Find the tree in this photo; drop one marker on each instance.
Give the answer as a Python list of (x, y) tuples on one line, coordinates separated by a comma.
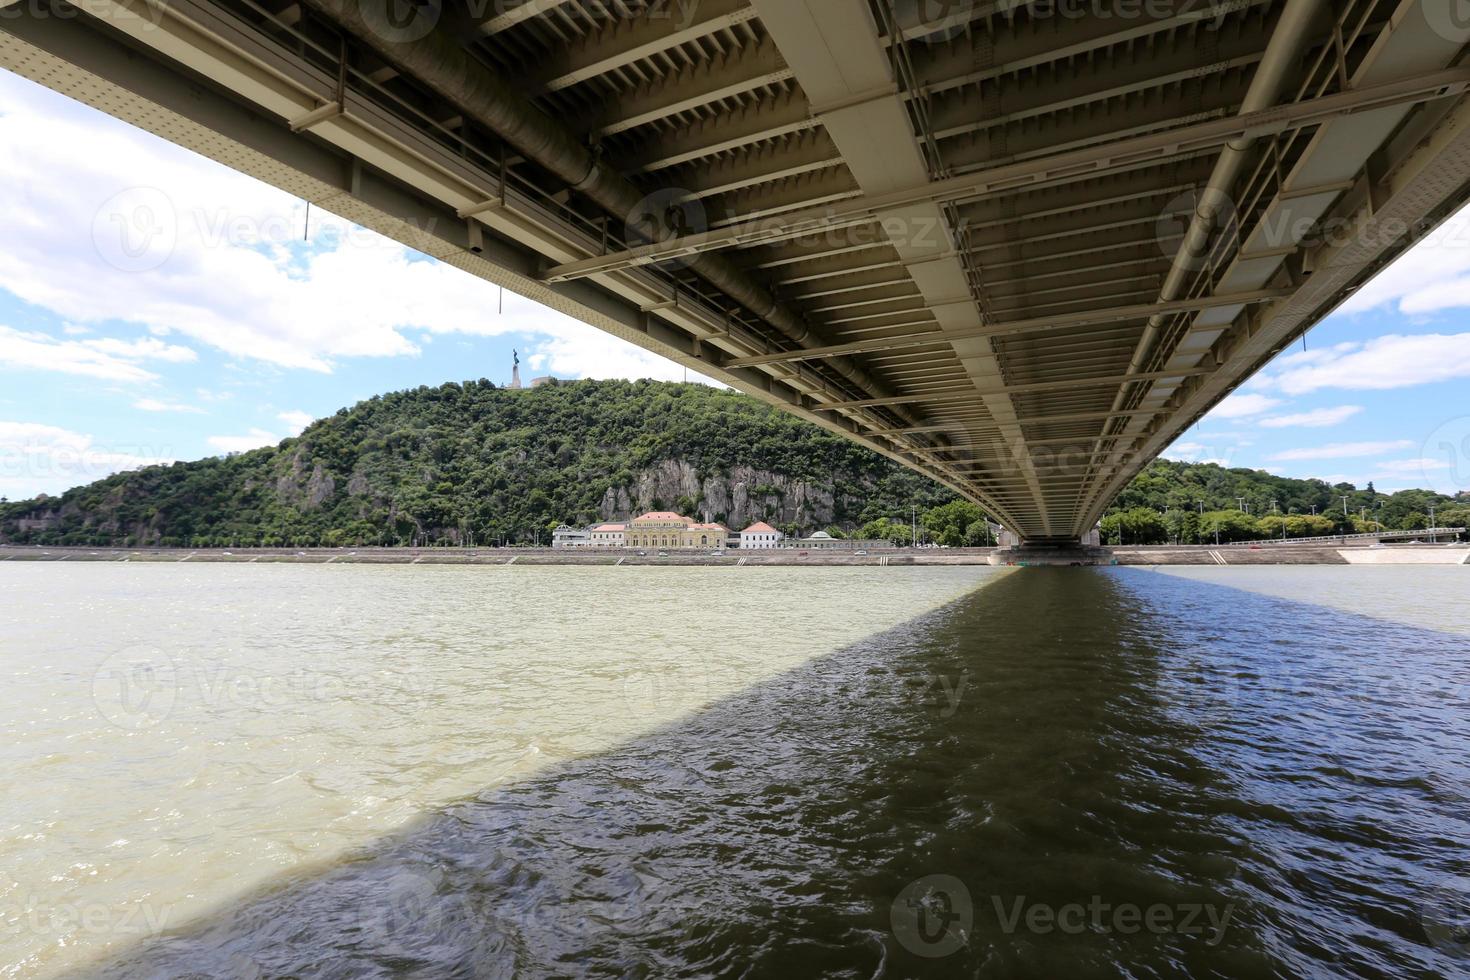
[(1228, 525), (977, 535), (891, 531), (1137, 525), (948, 524), (1455, 517), (1296, 526), (1183, 526)]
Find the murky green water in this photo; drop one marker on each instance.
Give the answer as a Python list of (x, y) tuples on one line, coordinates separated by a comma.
[(348, 772)]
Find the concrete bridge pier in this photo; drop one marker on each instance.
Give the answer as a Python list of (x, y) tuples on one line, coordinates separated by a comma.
[(1052, 553)]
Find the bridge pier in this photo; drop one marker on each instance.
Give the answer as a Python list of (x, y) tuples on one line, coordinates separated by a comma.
[(1052, 552)]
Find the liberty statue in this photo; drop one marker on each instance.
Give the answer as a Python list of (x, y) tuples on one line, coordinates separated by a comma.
[(515, 371)]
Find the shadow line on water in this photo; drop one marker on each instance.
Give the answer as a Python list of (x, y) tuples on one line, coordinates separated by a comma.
[(1036, 741)]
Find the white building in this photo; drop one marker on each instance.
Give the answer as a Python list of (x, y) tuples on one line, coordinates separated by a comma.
[(822, 541), (760, 535), (607, 535), (569, 537)]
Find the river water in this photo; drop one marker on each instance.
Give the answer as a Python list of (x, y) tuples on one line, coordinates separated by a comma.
[(349, 771)]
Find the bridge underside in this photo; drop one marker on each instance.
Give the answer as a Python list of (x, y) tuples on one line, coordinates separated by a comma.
[(1017, 246)]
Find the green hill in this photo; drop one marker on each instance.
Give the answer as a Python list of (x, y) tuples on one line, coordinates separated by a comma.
[(471, 461), (1189, 502), (460, 460)]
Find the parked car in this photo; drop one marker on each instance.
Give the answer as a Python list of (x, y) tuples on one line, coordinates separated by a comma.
[(663, 554), (861, 553), (717, 554)]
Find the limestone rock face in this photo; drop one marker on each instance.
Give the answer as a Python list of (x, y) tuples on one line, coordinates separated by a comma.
[(319, 488), (738, 498), (305, 492)]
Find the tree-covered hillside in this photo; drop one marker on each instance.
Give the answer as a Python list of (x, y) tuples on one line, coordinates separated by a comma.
[(473, 462), (1191, 502)]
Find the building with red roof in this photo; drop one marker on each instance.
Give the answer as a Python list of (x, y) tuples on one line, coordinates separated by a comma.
[(665, 529), (760, 535), (607, 535)]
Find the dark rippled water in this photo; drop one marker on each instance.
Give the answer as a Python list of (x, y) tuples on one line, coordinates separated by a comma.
[(1069, 773)]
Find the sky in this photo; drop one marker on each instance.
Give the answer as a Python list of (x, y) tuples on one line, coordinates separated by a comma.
[(155, 305)]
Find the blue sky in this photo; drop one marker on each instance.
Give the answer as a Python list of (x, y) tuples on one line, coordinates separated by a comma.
[(155, 306)]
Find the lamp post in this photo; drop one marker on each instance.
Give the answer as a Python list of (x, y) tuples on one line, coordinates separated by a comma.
[(1433, 537)]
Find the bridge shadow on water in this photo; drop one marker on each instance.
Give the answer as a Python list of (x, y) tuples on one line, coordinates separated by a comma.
[(1059, 747)]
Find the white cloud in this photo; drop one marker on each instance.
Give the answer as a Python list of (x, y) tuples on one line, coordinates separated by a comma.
[(1317, 418), (1410, 467), (1391, 361), (235, 276), (36, 458), (108, 358), (1241, 406), (1341, 450), (1433, 275), (580, 351), (145, 348), (296, 421), (1202, 452), (254, 439), (155, 405)]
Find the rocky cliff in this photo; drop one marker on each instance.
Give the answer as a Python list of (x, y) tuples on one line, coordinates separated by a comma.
[(474, 462)]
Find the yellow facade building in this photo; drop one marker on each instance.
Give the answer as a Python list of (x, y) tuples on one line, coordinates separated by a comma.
[(664, 529)]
